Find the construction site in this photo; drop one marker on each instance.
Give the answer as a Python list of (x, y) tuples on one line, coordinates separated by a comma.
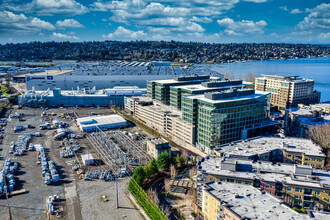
[(48, 166)]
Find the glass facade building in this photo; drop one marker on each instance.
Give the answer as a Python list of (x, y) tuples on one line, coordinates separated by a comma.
[(224, 120)]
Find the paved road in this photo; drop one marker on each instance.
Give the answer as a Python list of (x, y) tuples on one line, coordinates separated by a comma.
[(158, 184)]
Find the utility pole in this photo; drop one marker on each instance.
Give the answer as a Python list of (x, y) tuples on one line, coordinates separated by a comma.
[(117, 188), (9, 211)]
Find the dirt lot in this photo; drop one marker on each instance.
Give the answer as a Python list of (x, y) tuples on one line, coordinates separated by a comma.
[(79, 199)]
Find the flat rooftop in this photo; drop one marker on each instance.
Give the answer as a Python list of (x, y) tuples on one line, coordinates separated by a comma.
[(119, 91), (322, 105), (174, 81), (319, 121), (263, 170), (100, 120), (159, 107), (47, 73), (319, 215), (200, 87), (159, 140), (202, 97), (304, 111), (261, 145), (249, 202), (287, 78)]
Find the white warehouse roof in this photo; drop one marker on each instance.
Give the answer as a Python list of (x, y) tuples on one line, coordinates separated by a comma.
[(103, 122)]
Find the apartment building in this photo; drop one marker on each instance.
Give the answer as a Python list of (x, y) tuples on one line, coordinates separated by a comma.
[(159, 90), (298, 185), (275, 149), (301, 119), (164, 119), (288, 91), (229, 201)]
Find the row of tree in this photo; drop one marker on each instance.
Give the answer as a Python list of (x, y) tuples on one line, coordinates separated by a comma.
[(163, 163)]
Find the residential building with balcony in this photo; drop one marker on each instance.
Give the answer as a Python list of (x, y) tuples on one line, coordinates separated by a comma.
[(288, 91), (275, 149), (229, 201), (298, 185)]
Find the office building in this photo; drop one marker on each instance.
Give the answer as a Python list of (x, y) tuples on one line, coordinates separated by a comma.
[(288, 91), (159, 90), (177, 92), (275, 149), (211, 113), (226, 116), (298, 185)]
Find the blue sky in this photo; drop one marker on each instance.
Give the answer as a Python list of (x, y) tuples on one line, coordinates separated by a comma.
[(219, 21)]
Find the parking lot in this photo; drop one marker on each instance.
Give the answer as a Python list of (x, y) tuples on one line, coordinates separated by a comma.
[(78, 199)]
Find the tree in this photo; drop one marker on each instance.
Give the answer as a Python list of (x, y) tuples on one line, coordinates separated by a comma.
[(151, 168), (250, 77), (164, 161), (321, 135), (139, 175), (180, 160)]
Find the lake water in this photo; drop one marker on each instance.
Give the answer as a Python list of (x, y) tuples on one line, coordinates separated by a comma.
[(317, 68)]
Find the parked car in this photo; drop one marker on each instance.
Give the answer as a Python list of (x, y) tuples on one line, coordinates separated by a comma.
[(31, 126)]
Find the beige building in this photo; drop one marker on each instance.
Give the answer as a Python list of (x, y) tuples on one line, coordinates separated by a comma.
[(156, 146), (288, 91), (165, 119), (232, 201)]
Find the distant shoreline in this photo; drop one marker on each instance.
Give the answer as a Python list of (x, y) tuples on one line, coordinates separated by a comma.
[(55, 62)]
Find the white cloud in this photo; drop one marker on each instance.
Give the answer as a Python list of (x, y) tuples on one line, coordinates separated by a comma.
[(201, 19), (51, 7), (69, 23), (324, 36), (317, 20), (64, 36), (11, 23), (242, 27), (296, 11), (256, 1), (284, 8), (124, 34)]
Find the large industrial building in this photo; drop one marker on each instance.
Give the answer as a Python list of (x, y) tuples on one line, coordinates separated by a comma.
[(212, 112), (288, 91), (69, 82), (106, 75), (79, 97)]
